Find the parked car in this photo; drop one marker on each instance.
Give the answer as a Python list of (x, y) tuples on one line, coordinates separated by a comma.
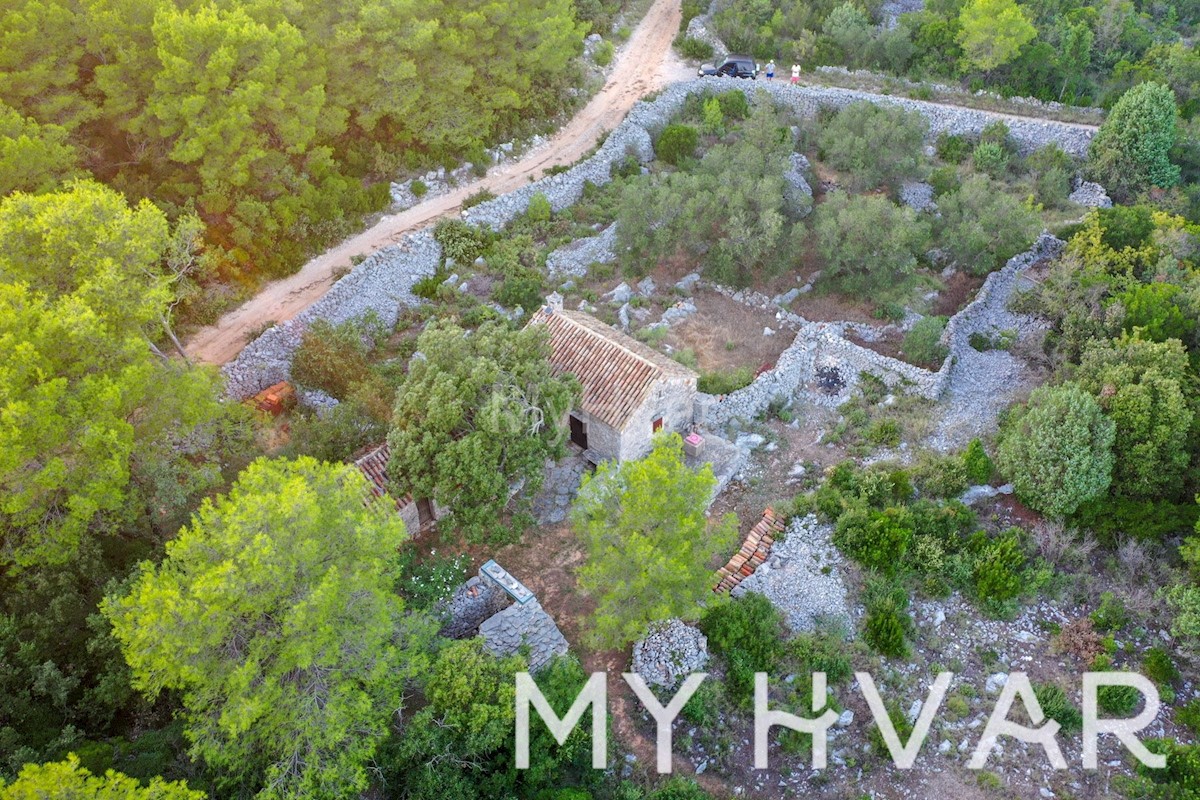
[(732, 67)]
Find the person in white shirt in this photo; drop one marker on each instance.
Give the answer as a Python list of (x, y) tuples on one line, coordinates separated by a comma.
[(795, 73)]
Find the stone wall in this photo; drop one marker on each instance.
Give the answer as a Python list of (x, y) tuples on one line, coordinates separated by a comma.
[(823, 345), (383, 282)]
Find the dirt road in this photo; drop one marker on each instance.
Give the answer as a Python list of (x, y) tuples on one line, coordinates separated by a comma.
[(647, 62)]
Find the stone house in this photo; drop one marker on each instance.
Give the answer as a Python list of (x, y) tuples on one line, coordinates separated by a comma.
[(418, 515), (630, 390)]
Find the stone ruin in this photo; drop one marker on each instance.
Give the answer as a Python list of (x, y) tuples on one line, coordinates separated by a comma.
[(670, 652), (502, 610)]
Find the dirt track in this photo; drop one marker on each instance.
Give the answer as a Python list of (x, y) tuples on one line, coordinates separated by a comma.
[(647, 62)]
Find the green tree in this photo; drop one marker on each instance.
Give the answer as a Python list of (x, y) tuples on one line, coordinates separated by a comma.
[(33, 157), (275, 617), (477, 415), (648, 541), (1057, 449), (992, 32), (877, 144), (96, 432), (1148, 391), (850, 30), (982, 226), (870, 244), (67, 780), (1131, 151)]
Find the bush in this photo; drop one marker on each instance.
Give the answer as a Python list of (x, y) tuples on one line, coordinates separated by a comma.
[(719, 383), (335, 358), (1189, 716), (476, 198), (938, 475), (1151, 312), (876, 539), (979, 467), (523, 290), (998, 575), (1057, 449), (875, 144), (982, 227), (997, 133), (539, 209), (1057, 706), (1158, 666), (953, 148), (419, 188), (677, 143), (679, 789), (603, 54), (822, 652), (714, 117), (1111, 518), (1110, 616), (923, 344), (695, 49), (747, 632), (1052, 187), (734, 104), (459, 240), (888, 623), (944, 180), (1118, 701), (990, 158), (868, 242), (883, 433)]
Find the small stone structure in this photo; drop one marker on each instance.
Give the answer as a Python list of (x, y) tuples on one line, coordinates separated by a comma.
[(506, 614), (630, 391), (754, 552), (418, 515), (670, 652)]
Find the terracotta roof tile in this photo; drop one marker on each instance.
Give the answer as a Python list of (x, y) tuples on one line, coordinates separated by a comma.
[(374, 466), (617, 371)]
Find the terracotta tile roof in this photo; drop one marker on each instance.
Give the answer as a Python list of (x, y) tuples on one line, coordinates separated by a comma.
[(374, 466), (754, 552), (617, 371)]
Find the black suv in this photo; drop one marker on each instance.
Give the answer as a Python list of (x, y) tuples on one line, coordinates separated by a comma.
[(732, 67)]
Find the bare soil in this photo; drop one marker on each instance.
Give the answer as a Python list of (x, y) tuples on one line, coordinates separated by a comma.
[(726, 335)]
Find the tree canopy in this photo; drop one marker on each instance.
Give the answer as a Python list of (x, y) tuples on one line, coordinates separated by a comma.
[(274, 615), (648, 541), (67, 780), (992, 32), (475, 420), (1131, 151)]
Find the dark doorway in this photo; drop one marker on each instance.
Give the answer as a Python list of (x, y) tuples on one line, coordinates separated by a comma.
[(425, 518), (578, 432)]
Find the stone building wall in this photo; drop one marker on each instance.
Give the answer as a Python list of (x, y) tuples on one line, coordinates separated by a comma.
[(672, 399)]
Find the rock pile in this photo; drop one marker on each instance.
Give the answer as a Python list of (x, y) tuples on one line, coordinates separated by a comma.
[(670, 652), (575, 258), (1092, 195)]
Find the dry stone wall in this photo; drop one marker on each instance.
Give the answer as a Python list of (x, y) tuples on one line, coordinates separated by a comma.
[(383, 282)]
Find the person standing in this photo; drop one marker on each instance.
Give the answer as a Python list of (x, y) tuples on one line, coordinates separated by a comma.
[(771, 70), (795, 74)]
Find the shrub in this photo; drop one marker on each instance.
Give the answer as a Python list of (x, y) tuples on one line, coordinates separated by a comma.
[(1131, 151), (679, 789), (822, 652), (523, 290), (539, 209), (868, 242), (1158, 666), (888, 624), (1189, 716), (997, 133), (953, 148), (979, 467), (939, 475), (998, 574), (677, 143), (1118, 701), (734, 104), (1079, 638), (1110, 615), (944, 180), (982, 227), (923, 344), (875, 144), (459, 240), (419, 188), (1052, 187), (714, 117), (883, 433), (1110, 518), (602, 56), (334, 358), (876, 539), (428, 287), (695, 49), (990, 158), (1057, 449), (476, 198), (725, 382), (747, 632), (1151, 312), (1057, 706)]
